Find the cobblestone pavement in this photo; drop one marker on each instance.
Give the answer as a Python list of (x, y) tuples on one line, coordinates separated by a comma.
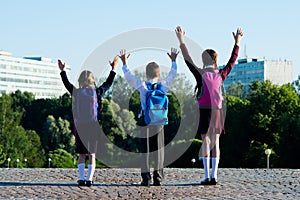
[(124, 184)]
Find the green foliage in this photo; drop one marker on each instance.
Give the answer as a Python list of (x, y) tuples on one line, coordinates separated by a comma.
[(270, 104), (267, 117), (237, 89), (255, 156), (35, 154), (2, 156), (235, 142), (15, 141), (57, 135), (296, 84), (118, 125), (36, 114), (60, 158)]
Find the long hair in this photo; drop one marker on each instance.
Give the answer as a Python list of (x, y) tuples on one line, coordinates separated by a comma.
[(86, 78)]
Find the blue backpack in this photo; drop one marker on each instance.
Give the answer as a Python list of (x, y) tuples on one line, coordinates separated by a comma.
[(156, 112), (86, 105)]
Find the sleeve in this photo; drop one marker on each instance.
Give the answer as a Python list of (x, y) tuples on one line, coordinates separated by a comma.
[(227, 69), (66, 82), (107, 84), (197, 72), (131, 78), (170, 77)]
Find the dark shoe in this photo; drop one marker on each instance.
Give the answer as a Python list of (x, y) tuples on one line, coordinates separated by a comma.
[(88, 183), (145, 182), (146, 177), (81, 183), (157, 177), (156, 181), (213, 181), (205, 181)]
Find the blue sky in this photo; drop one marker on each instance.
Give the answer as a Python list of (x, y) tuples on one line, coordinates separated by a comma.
[(71, 30)]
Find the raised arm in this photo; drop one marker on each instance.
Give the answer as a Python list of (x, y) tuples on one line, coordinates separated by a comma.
[(64, 77), (107, 84), (234, 54), (172, 74), (131, 78), (187, 58)]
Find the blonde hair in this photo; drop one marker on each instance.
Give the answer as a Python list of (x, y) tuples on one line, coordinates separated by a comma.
[(86, 78), (210, 57), (152, 70)]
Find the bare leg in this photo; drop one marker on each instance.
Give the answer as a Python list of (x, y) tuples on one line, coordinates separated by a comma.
[(81, 158), (205, 148), (92, 159), (215, 149)]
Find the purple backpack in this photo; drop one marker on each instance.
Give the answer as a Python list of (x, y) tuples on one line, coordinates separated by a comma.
[(211, 94), (86, 105)]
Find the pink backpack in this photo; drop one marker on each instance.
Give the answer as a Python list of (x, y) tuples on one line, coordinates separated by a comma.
[(211, 95)]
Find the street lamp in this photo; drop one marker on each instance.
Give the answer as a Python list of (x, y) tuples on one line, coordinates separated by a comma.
[(193, 161), (268, 153), (25, 160), (8, 160), (18, 162), (49, 160)]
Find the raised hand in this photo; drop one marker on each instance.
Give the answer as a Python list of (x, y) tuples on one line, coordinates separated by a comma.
[(173, 54), (114, 63), (61, 65), (123, 56), (180, 34), (238, 36)]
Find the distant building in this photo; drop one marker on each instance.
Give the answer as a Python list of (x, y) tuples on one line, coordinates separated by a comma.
[(37, 75), (250, 69)]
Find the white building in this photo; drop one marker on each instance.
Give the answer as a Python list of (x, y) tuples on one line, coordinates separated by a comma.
[(250, 69), (37, 75)]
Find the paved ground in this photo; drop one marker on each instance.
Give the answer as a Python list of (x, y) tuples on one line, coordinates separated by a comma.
[(124, 184)]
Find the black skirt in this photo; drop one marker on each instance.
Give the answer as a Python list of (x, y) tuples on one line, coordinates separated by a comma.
[(211, 121), (87, 138)]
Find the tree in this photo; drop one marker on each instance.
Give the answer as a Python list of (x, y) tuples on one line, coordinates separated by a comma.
[(296, 84), (35, 153), (235, 143), (2, 156), (57, 135), (36, 114), (118, 125), (237, 89), (60, 158), (269, 109), (14, 139)]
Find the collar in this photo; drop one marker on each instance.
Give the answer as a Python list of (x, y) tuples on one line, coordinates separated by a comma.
[(209, 67), (155, 80)]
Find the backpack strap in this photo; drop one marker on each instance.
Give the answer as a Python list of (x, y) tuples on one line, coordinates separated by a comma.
[(148, 85), (153, 86)]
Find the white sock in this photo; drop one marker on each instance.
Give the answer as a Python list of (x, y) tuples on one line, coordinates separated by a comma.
[(91, 171), (206, 161), (81, 167), (214, 167)]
